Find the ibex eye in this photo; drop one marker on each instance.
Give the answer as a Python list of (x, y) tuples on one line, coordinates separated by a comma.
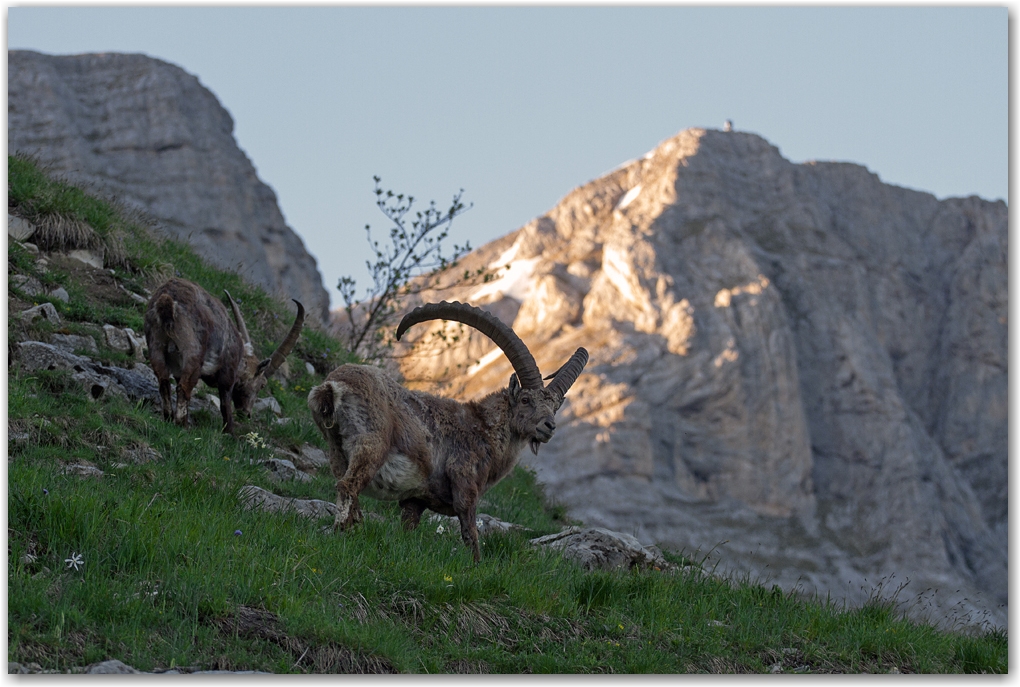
[(525, 400)]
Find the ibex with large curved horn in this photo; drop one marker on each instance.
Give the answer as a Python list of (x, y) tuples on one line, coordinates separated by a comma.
[(424, 451), (191, 337)]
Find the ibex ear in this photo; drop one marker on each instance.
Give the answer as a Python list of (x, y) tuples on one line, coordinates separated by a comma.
[(321, 401), (515, 387)]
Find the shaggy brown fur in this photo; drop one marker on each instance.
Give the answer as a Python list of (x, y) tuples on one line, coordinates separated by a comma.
[(421, 450), (191, 337)]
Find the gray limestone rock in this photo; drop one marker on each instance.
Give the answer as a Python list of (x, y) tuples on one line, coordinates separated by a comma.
[(596, 548), (308, 458), (138, 383), (150, 134), (795, 368), (43, 311), (256, 498), (93, 257), (30, 286), (74, 342), (485, 523), (124, 340), (18, 228), (311, 458), (267, 403), (60, 293), (110, 667), (281, 470)]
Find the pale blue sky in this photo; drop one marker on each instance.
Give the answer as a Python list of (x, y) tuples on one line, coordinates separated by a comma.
[(519, 105)]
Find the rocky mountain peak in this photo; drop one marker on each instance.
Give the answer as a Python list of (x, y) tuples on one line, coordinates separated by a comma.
[(150, 135), (797, 359)]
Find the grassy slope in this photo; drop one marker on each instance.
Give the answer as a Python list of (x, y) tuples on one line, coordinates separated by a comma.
[(176, 574)]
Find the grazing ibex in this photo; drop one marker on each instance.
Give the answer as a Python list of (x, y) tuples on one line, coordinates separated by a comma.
[(429, 452), (190, 336)]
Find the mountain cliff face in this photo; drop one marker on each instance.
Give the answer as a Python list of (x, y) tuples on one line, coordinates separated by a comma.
[(149, 134), (794, 364)]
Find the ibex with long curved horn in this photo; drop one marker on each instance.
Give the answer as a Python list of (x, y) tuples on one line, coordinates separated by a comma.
[(191, 337), (424, 451)]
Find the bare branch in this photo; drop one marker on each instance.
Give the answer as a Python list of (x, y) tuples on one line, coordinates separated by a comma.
[(410, 263)]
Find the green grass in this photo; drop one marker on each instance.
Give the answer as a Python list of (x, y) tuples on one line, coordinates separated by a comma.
[(176, 573)]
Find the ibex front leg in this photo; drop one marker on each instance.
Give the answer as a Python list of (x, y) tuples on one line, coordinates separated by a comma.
[(185, 385), (465, 503), (157, 361), (367, 453)]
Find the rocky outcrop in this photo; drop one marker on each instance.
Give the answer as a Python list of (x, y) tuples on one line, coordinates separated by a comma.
[(149, 134), (796, 367), (97, 380)]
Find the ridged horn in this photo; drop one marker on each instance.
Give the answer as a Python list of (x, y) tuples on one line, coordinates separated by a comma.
[(239, 319), (503, 336), (567, 375), (273, 362)]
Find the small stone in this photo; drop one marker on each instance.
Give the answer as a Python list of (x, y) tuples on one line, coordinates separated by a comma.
[(111, 667), (32, 248), (776, 668), (309, 368), (27, 559), (44, 311), (311, 458), (19, 228), (82, 470), (93, 258), (30, 286), (267, 403), (60, 293), (281, 470)]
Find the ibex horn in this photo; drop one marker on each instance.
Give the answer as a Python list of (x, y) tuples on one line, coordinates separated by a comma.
[(239, 319), (273, 362), (566, 375), (502, 335)]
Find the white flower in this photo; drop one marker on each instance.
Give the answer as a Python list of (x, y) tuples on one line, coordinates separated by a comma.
[(74, 561), (440, 529), (255, 440)]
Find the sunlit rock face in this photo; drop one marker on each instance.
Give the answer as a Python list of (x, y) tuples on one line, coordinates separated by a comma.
[(149, 134), (795, 359)]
